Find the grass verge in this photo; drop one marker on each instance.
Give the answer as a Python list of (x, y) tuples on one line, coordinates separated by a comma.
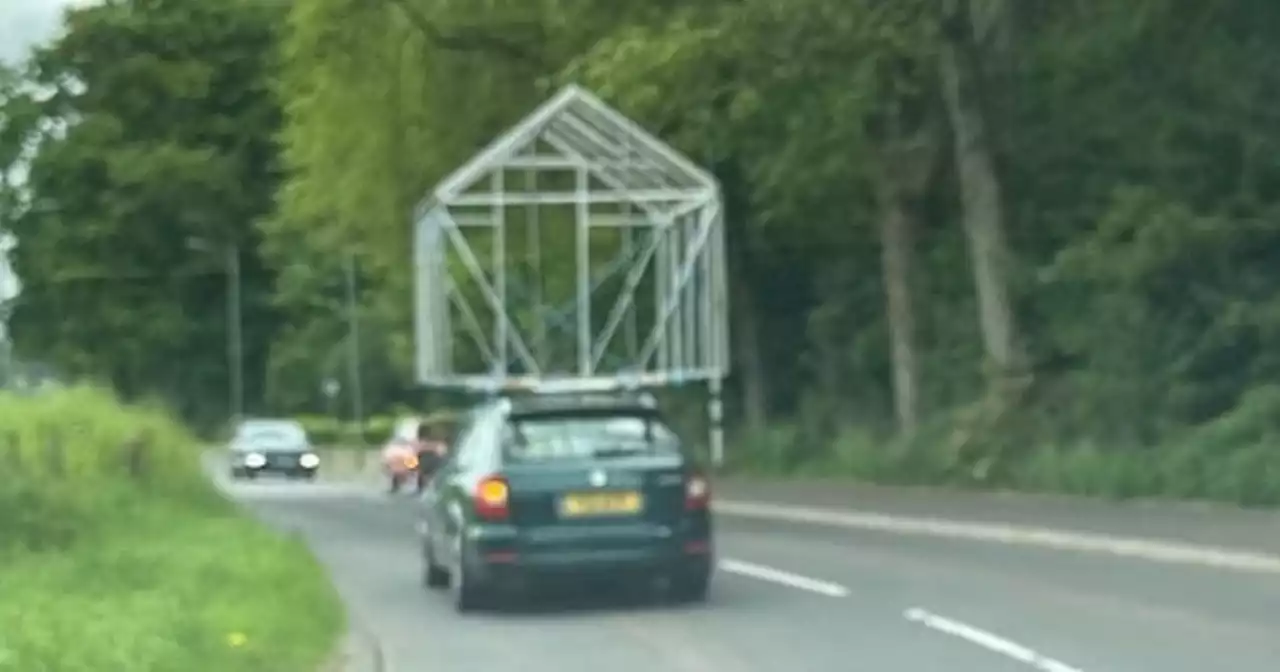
[(1234, 458), (116, 554)]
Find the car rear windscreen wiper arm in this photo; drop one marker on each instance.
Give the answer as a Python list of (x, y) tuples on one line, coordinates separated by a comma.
[(617, 452)]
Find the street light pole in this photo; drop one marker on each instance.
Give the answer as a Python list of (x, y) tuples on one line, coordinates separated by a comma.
[(235, 335), (235, 317), (353, 345)]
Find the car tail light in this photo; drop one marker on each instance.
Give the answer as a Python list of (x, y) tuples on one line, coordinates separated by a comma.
[(493, 498), (697, 492)]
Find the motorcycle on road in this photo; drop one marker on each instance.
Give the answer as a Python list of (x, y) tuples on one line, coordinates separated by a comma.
[(411, 456)]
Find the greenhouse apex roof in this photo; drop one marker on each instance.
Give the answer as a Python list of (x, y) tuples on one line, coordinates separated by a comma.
[(581, 131)]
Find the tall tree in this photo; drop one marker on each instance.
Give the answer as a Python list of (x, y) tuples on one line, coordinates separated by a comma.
[(1121, 149), (983, 209), (155, 140)]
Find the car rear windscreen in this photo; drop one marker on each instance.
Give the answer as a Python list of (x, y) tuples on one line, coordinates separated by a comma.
[(560, 436)]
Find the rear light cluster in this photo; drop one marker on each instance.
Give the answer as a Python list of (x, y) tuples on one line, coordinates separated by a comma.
[(697, 492), (493, 498)]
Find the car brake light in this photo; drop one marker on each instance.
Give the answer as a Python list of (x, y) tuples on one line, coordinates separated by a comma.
[(697, 492), (492, 498)]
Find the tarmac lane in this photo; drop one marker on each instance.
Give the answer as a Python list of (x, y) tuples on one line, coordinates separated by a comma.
[(1077, 611), (798, 598)]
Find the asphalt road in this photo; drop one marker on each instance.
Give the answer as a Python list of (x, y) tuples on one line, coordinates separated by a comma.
[(802, 598)]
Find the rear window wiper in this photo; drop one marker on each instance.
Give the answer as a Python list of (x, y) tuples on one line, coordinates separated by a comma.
[(605, 453)]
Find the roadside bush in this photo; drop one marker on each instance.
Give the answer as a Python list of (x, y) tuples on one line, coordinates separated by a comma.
[(1234, 458), (446, 422), (378, 428), (82, 434), (330, 432), (321, 429), (327, 431), (116, 553)]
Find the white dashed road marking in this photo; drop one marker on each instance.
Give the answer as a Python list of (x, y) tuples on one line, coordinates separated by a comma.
[(989, 641), (780, 577)]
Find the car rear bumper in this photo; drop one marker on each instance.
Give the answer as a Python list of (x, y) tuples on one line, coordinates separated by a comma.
[(501, 560)]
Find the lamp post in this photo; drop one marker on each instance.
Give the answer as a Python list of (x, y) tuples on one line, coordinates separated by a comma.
[(353, 344), (235, 338)]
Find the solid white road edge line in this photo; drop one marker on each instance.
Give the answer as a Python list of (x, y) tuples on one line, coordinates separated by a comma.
[(1129, 547), (780, 577), (987, 640)]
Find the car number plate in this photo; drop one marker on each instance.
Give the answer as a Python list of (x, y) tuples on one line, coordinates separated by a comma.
[(600, 504)]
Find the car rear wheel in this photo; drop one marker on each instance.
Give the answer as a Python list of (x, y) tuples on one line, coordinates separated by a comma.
[(433, 575), (468, 595)]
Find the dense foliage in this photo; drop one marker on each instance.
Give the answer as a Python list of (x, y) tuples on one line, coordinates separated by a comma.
[(154, 127), (974, 241)]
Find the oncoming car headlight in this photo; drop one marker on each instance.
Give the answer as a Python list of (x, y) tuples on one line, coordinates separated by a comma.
[(255, 460), (309, 461)]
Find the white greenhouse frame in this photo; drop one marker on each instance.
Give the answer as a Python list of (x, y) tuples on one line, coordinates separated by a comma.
[(653, 192)]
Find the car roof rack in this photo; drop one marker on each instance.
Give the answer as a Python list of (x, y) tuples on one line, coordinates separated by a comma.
[(568, 392), (558, 404), (562, 385)]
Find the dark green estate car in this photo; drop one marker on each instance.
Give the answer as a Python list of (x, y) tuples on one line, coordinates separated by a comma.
[(565, 486)]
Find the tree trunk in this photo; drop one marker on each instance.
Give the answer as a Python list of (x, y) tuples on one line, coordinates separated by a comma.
[(980, 189), (992, 22), (746, 348), (750, 358), (896, 234), (907, 161)]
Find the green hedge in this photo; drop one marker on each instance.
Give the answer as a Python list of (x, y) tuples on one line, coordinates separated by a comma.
[(328, 431), (116, 553), (1234, 458)]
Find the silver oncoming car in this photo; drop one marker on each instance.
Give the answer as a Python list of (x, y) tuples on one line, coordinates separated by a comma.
[(272, 446)]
